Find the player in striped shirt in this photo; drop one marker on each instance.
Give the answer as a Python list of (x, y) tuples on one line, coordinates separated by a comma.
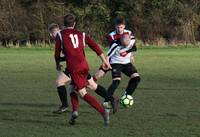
[(122, 64), (115, 36)]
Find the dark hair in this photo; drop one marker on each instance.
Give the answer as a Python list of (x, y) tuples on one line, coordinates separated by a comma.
[(69, 20), (120, 21), (53, 26)]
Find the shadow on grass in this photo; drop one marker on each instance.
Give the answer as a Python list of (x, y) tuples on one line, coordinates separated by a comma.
[(32, 105), (35, 121)]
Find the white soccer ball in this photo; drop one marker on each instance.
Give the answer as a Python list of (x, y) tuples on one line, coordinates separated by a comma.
[(126, 100)]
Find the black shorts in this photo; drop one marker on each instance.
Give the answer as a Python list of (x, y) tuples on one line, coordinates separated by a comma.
[(127, 69), (89, 76), (66, 71)]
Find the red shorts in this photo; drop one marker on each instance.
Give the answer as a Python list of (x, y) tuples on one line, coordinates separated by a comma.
[(79, 79)]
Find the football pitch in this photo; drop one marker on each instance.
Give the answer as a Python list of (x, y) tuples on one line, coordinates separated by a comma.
[(167, 101)]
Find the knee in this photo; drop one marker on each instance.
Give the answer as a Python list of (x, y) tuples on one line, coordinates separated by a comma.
[(136, 79), (82, 92), (116, 82), (99, 74), (92, 84)]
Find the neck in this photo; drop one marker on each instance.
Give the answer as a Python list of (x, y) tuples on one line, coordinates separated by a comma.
[(70, 27), (120, 33)]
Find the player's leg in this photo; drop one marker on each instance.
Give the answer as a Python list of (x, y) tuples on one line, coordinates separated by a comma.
[(61, 81), (100, 73), (131, 72), (92, 101), (101, 91), (80, 80), (75, 105), (74, 97), (116, 77), (74, 102)]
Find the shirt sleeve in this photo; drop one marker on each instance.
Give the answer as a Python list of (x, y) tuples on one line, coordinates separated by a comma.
[(57, 49), (110, 39), (93, 45)]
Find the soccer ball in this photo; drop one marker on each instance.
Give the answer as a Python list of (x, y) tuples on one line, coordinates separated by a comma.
[(126, 100)]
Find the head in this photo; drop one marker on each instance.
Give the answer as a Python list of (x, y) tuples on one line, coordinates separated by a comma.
[(53, 30), (125, 40), (120, 25), (70, 20)]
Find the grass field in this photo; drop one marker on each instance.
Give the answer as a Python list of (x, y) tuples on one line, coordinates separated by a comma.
[(167, 101)]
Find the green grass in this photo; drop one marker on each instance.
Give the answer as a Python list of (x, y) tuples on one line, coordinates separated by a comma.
[(167, 101)]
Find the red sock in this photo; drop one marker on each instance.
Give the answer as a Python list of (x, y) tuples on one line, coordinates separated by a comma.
[(94, 78), (94, 103), (74, 101)]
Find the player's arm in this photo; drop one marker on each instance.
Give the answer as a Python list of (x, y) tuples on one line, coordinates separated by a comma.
[(57, 53), (110, 39), (131, 48), (97, 49)]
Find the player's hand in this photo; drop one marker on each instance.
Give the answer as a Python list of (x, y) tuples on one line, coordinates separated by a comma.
[(107, 65), (123, 54), (104, 67), (59, 67)]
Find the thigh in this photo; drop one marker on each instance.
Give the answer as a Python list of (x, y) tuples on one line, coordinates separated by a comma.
[(116, 70), (129, 69), (62, 77)]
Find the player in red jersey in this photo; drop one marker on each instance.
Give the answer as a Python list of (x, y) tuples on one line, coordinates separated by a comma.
[(74, 42), (114, 36), (64, 77)]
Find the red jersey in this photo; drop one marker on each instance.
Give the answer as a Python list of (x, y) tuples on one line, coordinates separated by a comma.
[(73, 42)]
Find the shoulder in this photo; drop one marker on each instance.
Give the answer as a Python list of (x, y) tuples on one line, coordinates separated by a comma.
[(128, 31), (112, 33), (114, 44), (70, 31)]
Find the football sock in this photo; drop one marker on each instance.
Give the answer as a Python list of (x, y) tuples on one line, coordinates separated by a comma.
[(101, 91), (94, 103), (63, 95), (113, 87), (132, 85), (74, 101)]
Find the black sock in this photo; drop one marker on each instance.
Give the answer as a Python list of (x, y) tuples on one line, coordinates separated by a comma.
[(101, 91), (63, 95), (132, 85), (113, 87)]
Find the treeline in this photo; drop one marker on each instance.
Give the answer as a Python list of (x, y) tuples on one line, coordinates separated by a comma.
[(152, 21)]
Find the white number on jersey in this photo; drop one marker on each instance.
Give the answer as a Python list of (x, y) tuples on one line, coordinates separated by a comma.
[(74, 40)]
